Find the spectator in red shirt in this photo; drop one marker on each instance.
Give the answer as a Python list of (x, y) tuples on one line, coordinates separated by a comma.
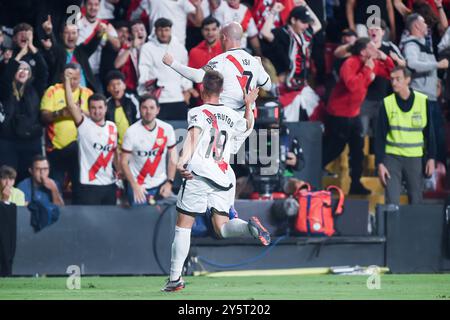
[(344, 123), (261, 9), (200, 55), (128, 57)]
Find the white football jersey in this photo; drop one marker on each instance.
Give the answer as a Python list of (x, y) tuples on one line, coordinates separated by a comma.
[(149, 152), (176, 11), (219, 126), (226, 14), (96, 149), (241, 71), (87, 31)]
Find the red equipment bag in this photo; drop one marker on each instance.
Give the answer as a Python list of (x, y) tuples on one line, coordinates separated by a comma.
[(315, 214)]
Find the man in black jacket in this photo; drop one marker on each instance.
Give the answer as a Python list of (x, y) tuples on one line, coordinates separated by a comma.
[(58, 55), (123, 108)]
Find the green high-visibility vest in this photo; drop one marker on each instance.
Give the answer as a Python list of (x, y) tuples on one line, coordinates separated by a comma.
[(405, 137)]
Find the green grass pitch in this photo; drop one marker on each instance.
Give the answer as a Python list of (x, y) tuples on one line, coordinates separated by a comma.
[(435, 286)]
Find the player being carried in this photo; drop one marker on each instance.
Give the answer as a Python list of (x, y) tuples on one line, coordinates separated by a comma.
[(208, 177), (241, 72)]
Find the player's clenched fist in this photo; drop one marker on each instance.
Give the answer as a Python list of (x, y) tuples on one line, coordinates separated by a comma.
[(167, 59), (185, 174), (251, 97)]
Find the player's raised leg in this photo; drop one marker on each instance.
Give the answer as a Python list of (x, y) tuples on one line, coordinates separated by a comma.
[(220, 204), (236, 227)]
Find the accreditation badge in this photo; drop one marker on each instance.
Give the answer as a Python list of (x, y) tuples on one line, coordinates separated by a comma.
[(416, 120)]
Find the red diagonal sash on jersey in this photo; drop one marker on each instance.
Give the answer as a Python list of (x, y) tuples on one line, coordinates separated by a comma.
[(94, 31), (222, 164), (242, 79), (246, 20), (102, 162), (149, 167)]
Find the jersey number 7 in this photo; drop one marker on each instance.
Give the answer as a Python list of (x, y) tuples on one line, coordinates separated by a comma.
[(246, 76)]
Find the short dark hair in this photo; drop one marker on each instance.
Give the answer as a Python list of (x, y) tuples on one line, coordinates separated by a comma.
[(22, 27), (146, 97), (7, 172), (210, 20), (121, 24), (163, 23), (135, 22), (359, 45), (410, 20), (114, 75), (38, 157), (72, 65), (97, 97), (406, 72), (212, 83)]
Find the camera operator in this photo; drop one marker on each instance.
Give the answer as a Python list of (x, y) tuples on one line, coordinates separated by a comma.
[(250, 178)]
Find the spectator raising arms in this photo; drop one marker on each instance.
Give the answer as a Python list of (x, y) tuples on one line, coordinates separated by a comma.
[(290, 52), (20, 94), (23, 39), (343, 124), (234, 10), (358, 15), (89, 27), (62, 149), (380, 87), (97, 144), (127, 61), (57, 54)]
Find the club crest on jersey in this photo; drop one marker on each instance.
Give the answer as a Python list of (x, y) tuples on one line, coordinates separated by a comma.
[(193, 118), (160, 141), (212, 64)]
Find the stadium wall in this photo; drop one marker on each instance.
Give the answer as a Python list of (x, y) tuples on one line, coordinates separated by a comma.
[(117, 241)]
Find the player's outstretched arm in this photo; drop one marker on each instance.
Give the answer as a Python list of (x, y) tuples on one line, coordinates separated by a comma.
[(74, 110), (192, 74)]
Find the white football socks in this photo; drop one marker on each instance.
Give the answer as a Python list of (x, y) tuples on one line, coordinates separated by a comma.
[(180, 250), (235, 228)]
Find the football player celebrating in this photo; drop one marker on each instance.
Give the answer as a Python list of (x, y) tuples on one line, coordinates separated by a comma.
[(208, 176)]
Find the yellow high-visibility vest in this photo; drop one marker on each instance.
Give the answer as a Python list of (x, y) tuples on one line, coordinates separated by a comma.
[(405, 137)]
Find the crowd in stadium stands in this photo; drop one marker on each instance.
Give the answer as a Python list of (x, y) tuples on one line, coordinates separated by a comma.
[(84, 103)]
